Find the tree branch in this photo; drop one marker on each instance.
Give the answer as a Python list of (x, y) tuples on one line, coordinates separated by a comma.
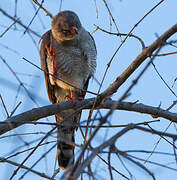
[(146, 52), (45, 111), (2, 160), (109, 142), (38, 113)]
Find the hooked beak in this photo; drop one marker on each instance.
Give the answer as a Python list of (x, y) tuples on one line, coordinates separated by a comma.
[(74, 30)]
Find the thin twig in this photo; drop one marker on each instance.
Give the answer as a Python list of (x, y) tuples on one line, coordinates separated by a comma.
[(4, 106), (57, 77), (138, 61), (61, 2), (134, 82), (151, 162), (10, 49), (149, 152), (136, 163), (171, 106), (123, 164), (41, 21), (18, 79), (40, 5), (77, 169), (19, 22), (122, 34), (15, 172), (11, 114), (110, 61), (174, 82), (16, 96), (96, 7), (1, 35), (159, 133), (25, 167), (161, 137), (33, 17), (84, 126), (21, 134), (26, 150), (109, 162), (113, 168), (43, 155), (165, 54), (166, 84)]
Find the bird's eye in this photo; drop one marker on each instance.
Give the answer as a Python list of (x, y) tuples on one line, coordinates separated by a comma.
[(65, 31)]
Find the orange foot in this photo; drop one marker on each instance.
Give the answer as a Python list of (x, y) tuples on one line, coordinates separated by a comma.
[(72, 97)]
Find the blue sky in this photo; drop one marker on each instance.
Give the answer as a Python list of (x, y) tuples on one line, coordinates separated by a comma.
[(150, 90)]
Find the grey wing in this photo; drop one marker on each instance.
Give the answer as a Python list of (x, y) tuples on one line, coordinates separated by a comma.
[(91, 52), (93, 43), (43, 53)]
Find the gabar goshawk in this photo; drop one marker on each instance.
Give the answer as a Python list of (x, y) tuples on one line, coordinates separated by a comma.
[(68, 58)]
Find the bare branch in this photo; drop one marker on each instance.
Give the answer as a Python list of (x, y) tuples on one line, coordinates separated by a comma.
[(147, 52), (76, 172), (123, 34), (136, 162), (24, 167), (113, 168), (33, 17), (8, 28), (19, 22), (57, 77), (166, 84), (15, 172), (4, 106), (160, 133), (40, 5), (18, 79), (37, 113)]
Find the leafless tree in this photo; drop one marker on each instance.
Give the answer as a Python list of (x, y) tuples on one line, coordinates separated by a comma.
[(112, 115)]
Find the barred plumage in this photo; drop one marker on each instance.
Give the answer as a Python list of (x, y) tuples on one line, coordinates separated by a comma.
[(68, 52)]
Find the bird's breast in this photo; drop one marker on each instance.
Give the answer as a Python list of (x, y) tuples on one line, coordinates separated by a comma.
[(71, 67)]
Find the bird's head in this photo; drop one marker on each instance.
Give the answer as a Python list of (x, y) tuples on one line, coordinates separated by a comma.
[(66, 26)]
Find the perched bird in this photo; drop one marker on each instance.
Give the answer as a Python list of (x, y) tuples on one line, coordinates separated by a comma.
[(68, 58)]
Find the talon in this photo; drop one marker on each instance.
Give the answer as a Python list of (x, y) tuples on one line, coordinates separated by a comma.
[(72, 97), (80, 98)]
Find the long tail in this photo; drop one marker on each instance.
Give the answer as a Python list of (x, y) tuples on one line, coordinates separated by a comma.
[(65, 148), (65, 135)]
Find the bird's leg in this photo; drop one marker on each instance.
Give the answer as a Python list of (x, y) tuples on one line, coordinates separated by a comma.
[(51, 54), (72, 97)]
